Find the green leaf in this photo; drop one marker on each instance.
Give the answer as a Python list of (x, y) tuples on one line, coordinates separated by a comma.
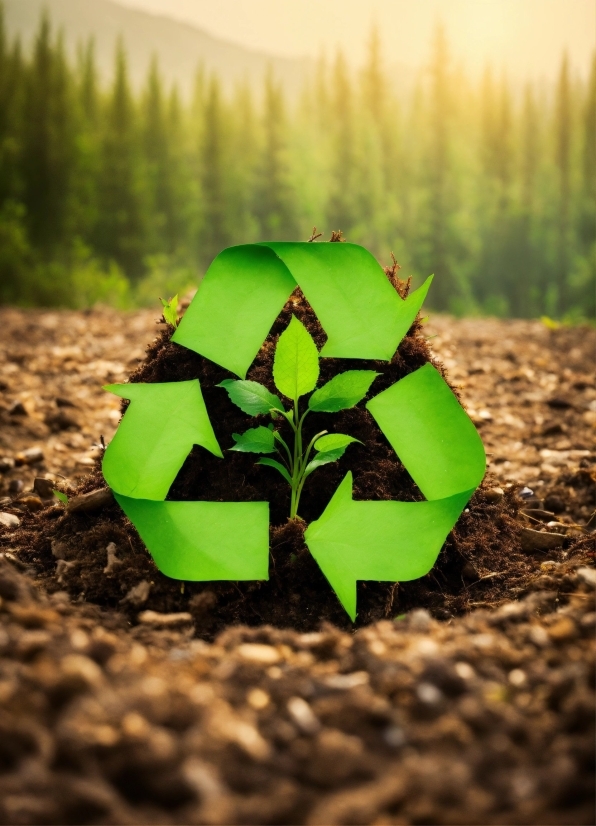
[(334, 441), (255, 440), (296, 362), (61, 496), (278, 466), (343, 391), (170, 310), (325, 457), (251, 397)]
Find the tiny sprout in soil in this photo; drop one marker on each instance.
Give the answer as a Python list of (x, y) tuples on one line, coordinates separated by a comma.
[(295, 374), (170, 310)]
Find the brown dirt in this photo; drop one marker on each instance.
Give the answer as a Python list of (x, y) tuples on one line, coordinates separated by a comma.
[(483, 714)]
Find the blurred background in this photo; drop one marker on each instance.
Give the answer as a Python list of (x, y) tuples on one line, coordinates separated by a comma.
[(138, 139)]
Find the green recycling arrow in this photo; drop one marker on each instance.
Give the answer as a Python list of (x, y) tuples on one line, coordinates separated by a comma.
[(397, 541), (156, 434), (246, 287), (187, 540), (204, 541)]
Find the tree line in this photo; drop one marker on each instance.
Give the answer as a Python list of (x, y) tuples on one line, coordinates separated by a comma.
[(113, 196)]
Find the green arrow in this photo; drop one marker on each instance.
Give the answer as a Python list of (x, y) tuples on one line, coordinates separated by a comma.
[(381, 541), (203, 541), (396, 541), (246, 287), (156, 434)]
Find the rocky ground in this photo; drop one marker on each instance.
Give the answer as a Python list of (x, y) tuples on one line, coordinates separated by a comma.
[(483, 718)]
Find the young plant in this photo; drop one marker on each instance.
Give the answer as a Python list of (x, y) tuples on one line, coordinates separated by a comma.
[(170, 310), (295, 373)]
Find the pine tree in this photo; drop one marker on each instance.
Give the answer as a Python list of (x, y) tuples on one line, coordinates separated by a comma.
[(563, 162), (49, 156), (120, 232), (274, 199), (216, 231), (341, 209), (444, 287)]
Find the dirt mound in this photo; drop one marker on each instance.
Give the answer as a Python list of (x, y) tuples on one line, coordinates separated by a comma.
[(70, 550)]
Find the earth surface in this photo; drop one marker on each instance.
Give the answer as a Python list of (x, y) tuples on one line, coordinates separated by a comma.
[(471, 701)]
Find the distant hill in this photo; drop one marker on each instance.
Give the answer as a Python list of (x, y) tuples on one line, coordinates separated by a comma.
[(180, 47)]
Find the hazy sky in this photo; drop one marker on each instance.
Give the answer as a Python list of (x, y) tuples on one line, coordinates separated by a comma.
[(524, 36)]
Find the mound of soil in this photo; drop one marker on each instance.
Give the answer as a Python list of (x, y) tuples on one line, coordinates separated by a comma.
[(70, 549)]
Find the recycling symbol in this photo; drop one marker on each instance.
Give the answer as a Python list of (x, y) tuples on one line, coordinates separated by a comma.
[(241, 295)]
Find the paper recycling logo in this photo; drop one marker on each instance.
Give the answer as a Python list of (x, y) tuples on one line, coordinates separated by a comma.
[(243, 292)]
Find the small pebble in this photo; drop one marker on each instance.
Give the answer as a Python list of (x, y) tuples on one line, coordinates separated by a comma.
[(44, 487), (258, 653), (15, 486), (303, 715), (9, 520), (156, 619), (429, 694), (588, 575), (494, 495), (30, 456), (29, 502), (517, 677), (6, 464)]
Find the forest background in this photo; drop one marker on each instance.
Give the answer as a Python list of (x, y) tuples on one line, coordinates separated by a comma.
[(113, 196)]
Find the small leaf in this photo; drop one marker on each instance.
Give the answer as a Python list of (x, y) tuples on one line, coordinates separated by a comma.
[(170, 310), (277, 466), (255, 440), (251, 397), (325, 457), (334, 441), (296, 362), (343, 391), (61, 496)]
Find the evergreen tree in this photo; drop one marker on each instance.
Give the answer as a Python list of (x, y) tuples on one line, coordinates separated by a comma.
[(341, 210), (563, 162), (120, 233), (440, 204), (49, 154), (274, 201), (216, 231)]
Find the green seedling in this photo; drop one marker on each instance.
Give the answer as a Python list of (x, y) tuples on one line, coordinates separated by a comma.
[(170, 310), (62, 497), (295, 374)]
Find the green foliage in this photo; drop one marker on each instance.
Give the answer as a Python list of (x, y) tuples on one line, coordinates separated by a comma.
[(256, 440), (296, 362), (490, 187), (170, 310), (62, 497), (295, 373), (342, 391), (251, 397), (334, 441)]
